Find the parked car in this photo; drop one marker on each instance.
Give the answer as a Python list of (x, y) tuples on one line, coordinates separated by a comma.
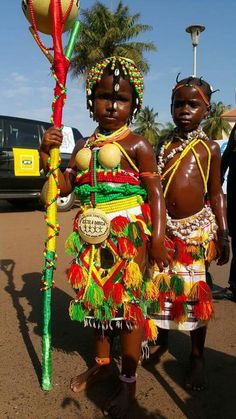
[(21, 176)]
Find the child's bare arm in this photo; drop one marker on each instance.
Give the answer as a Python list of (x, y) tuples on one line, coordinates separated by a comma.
[(147, 165), (217, 201)]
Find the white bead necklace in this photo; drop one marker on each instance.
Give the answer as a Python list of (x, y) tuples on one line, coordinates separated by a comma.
[(193, 135)]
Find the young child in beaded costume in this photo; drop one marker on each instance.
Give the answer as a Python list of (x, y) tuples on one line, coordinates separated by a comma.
[(122, 211), (189, 164)]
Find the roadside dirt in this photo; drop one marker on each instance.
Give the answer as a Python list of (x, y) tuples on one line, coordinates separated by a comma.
[(160, 392)]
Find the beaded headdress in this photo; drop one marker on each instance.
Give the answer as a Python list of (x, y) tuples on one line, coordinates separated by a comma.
[(203, 88), (115, 63)]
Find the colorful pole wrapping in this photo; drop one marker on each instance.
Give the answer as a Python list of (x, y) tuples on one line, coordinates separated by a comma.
[(60, 66)]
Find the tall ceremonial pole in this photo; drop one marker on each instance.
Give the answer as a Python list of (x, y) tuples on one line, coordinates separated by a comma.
[(52, 17)]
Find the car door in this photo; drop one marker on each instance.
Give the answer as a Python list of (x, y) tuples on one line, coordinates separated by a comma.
[(19, 134)]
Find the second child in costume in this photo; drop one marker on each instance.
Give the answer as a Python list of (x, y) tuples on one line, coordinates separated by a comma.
[(122, 212), (189, 164)]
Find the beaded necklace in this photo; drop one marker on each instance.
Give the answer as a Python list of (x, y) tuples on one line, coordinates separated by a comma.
[(100, 139), (193, 135), (187, 145)]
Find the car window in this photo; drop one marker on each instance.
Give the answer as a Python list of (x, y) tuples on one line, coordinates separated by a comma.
[(21, 134)]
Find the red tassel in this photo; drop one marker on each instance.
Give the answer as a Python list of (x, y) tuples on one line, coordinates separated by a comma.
[(178, 309), (182, 254), (126, 248), (200, 292), (204, 292), (117, 293), (75, 276), (150, 330), (203, 310), (134, 314), (139, 220), (107, 289), (79, 294), (162, 298), (76, 221), (118, 224), (145, 208)]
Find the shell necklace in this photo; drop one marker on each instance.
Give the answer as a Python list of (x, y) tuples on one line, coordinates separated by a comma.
[(193, 135)]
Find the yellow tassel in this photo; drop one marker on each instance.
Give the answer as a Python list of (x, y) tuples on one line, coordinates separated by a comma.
[(182, 318), (192, 249), (132, 276), (162, 276), (151, 292), (151, 330), (193, 294), (72, 302), (211, 251)]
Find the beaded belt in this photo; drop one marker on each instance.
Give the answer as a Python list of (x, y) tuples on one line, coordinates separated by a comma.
[(120, 204)]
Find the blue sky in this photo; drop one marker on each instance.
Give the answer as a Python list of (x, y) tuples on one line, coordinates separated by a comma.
[(27, 85)]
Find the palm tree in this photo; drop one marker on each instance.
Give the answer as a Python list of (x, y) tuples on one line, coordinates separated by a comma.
[(165, 133), (104, 33), (167, 130), (146, 124), (215, 125)]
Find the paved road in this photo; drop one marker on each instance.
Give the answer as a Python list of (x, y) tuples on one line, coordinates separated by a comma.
[(160, 390)]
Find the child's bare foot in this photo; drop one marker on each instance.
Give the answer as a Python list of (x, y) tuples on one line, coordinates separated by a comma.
[(89, 377), (117, 406), (196, 377)]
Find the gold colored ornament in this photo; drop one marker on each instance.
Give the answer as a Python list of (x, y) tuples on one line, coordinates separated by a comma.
[(109, 156), (41, 9), (94, 226), (82, 158)]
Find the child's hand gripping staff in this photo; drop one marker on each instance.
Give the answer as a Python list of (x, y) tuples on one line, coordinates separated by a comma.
[(52, 17)]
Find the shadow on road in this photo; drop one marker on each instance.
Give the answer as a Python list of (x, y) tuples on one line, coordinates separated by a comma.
[(7, 266), (218, 400), (67, 336)]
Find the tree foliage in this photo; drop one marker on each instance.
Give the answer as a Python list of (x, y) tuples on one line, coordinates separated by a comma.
[(104, 33), (147, 125), (215, 125)]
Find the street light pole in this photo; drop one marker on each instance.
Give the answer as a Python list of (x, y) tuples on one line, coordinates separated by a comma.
[(195, 31)]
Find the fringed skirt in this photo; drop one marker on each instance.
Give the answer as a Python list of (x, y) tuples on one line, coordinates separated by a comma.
[(110, 286), (184, 297)]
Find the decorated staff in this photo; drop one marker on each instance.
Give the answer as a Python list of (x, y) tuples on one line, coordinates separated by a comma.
[(52, 17)]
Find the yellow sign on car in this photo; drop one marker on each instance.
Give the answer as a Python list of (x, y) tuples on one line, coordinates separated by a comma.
[(26, 162)]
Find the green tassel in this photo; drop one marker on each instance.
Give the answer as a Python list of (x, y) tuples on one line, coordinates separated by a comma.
[(94, 295), (98, 314), (77, 312), (143, 306), (73, 244), (199, 255), (107, 311), (154, 308), (176, 284), (103, 313), (185, 309), (163, 287), (135, 234)]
